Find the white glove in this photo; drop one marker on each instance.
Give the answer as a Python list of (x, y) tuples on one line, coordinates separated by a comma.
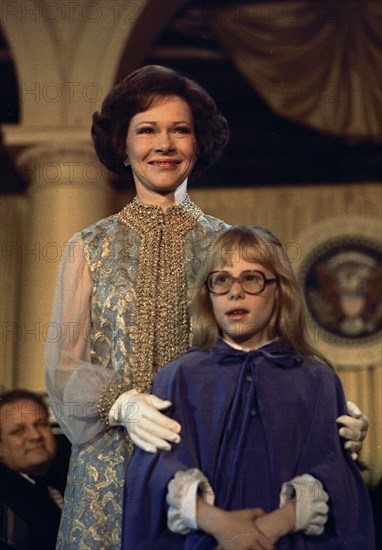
[(310, 497), (354, 429), (182, 494), (148, 429)]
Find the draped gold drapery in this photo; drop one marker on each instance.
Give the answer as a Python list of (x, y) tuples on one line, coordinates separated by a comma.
[(363, 386), (315, 62)]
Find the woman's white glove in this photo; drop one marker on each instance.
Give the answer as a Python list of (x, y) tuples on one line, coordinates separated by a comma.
[(310, 497), (147, 427), (354, 429)]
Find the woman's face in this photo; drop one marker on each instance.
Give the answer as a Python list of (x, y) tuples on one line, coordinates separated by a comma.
[(161, 146)]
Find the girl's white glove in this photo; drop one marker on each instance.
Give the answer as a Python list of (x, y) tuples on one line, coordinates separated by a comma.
[(182, 493), (147, 427), (354, 429), (310, 497)]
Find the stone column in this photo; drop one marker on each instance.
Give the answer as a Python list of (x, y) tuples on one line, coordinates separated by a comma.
[(12, 215), (67, 191)]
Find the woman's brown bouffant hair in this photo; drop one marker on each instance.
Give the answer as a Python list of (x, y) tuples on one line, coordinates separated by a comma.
[(258, 245), (135, 94)]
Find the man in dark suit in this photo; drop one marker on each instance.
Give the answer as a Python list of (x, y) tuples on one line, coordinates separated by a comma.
[(30, 489)]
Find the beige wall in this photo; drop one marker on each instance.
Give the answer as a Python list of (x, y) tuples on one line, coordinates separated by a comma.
[(287, 210)]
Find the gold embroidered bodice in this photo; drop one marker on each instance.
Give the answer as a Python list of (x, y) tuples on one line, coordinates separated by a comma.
[(144, 263)]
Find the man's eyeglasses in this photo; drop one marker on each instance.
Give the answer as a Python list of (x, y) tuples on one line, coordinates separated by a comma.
[(252, 281)]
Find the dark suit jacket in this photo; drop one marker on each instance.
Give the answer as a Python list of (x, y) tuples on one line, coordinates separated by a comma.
[(34, 510)]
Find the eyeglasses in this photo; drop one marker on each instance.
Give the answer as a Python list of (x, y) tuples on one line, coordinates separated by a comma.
[(252, 281)]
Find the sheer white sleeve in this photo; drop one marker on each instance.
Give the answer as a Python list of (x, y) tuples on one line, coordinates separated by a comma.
[(74, 384)]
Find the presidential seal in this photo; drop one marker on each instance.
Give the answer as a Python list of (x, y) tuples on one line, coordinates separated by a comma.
[(343, 288), (340, 271)]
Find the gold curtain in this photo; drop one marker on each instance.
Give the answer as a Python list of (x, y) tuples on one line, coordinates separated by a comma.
[(363, 385), (315, 62)]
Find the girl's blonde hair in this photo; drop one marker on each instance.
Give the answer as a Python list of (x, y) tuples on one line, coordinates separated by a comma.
[(258, 245)]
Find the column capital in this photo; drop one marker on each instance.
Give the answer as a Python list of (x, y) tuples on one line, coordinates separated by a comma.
[(22, 135), (55, 155)]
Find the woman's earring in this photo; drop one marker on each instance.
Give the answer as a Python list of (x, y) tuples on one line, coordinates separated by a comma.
[(126, 163)]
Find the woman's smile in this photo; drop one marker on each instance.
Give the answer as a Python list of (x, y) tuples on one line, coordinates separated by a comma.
[(161, 147), (165, 163)]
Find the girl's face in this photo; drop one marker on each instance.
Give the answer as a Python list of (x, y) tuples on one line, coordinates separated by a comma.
[(161, 147), (246, 319)]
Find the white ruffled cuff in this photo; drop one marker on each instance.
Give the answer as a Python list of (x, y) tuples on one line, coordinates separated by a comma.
[(182, 494), (311, 498)]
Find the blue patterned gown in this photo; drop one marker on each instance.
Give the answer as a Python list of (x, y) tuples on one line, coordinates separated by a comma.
[(121, 312)]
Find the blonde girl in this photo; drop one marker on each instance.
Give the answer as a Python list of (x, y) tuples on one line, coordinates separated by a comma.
[(259, 464)]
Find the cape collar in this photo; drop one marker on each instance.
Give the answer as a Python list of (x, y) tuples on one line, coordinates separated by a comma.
[(278, 352)]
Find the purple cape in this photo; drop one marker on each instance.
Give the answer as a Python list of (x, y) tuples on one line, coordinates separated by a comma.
[(249, 419)]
